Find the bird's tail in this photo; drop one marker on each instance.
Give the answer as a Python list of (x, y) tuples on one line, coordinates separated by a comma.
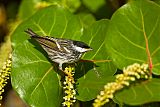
[(31, 33)]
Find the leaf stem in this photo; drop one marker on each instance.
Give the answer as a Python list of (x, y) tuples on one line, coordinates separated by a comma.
[(95, 60), (147, 46)]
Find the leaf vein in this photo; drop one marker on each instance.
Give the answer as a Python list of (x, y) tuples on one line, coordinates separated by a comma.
[(155, 51), (154, 28), (41, 80), (129, 58), (36, 62), (64, 27), (45, 92), (54, 21), (31, 52), (98, 50), (150, 92), (134, 92), (93, 35), (134, 25), (39, 27), (40, 19), (136, 45)]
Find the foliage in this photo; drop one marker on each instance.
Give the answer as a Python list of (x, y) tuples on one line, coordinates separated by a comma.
[(130, 36)]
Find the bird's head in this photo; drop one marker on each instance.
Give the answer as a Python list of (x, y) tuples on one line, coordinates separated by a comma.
[(81, 47)]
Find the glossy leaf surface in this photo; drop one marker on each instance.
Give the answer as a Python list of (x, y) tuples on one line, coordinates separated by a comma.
[(138, 94), (34, 76), (97, 74), (134, 28)]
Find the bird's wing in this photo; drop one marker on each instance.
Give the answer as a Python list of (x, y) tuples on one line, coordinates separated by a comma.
[(66, 45), (46, 42), (51, 44)]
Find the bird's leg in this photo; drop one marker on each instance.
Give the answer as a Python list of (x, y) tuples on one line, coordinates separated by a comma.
[(60, 67)]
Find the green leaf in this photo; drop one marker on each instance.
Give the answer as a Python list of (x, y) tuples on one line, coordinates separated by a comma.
[(97, 74), (26, 6), (133, 27), (94, 5), (100, 8), (72, 5), (31, 6), (33, 76), (140, 93), (156, 1), (56, 23), (86, 19), (30, 62)]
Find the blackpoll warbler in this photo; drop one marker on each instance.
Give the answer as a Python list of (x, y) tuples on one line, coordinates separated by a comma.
[(61, 50)]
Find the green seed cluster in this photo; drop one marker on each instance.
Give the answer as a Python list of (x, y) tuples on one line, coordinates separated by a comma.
[(4, 74), (69, 90), (130, 74)]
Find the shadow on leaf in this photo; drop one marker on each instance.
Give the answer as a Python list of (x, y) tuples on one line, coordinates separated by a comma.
[(82, 68), (38, 47)]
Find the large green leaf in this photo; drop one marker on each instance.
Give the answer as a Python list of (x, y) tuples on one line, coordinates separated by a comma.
[(34, 78), (132, 27), (98, 74), (87, 19), (143, 93), (27, 6), (33, 75), (31, 6), (57, 23), (30, 62)]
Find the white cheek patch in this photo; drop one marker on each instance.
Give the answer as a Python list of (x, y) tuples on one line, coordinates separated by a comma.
[(79, 49)]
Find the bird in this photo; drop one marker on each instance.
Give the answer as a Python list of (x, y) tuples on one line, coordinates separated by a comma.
[(60, 50)]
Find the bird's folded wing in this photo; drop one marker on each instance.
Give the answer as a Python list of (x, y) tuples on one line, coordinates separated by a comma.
[(51, 44)]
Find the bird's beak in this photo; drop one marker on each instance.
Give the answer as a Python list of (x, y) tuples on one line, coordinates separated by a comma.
[(89, 49)]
